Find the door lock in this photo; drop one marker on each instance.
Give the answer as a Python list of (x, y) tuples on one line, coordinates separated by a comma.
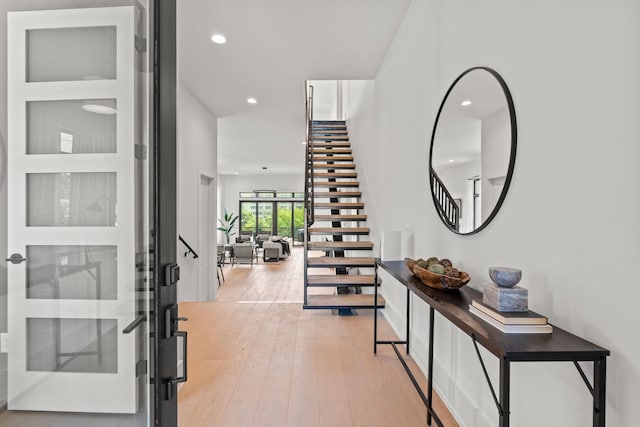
[(171, 331)]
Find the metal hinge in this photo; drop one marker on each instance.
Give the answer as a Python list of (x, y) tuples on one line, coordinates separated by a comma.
[(141, 152), (141, 44), (141, 368), (172, 274)]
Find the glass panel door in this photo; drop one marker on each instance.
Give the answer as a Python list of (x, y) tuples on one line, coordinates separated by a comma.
[(248, 216), (78, 236), (285, 216), (265, 217), (298, 222)]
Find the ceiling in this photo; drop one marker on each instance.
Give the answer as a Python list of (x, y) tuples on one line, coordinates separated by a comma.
[(272, 47)]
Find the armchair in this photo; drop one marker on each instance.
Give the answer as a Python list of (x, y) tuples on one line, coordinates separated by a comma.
[(244, 236), (243, 251)]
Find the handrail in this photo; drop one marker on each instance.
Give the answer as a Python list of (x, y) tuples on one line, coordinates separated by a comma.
[(189, 248), (309, 179), (449, 209), (309, 203)]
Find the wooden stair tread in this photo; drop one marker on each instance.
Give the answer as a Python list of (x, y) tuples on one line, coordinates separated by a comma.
[(343, 301), (336, 184), (330, 144), (332, 151), (339, 230), (361, 217), (327, 128), (354, 205), (345, 246), (316, 126), (335, 174), (329, 139), (332, 159), (341, 280), (330, 261), (334, 166), (327, 194)]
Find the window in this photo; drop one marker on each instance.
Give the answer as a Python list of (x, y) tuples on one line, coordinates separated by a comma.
[(271, 212), (285, 218)]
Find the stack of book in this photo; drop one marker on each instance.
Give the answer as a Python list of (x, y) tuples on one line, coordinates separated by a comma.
[(526, 322)]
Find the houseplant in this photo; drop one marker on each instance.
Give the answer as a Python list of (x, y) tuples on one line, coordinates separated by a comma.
[(227, 222)]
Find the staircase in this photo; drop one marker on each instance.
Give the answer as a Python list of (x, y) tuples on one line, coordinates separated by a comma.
[(335, 238)]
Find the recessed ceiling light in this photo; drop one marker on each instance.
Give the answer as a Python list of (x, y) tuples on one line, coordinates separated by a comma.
[(465, 103), (450, 160), (218, 39), (252, 100), (304, 142)]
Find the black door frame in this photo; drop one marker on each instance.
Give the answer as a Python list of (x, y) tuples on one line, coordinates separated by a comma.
[(164, 370)]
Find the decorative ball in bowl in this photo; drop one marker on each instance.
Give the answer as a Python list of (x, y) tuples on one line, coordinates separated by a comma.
[(451, 279), (506, 277)]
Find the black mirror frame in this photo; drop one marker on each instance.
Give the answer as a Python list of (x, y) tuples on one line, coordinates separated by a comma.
[(512, 157)]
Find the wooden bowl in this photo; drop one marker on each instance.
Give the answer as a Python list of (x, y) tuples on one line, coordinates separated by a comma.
[(435, 280)]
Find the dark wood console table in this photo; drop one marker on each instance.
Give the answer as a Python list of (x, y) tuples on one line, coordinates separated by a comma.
[(560, 346)]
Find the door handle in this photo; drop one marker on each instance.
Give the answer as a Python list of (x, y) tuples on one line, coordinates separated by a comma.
[(173, 381), (15, 259), (182, 378), (136, 322)]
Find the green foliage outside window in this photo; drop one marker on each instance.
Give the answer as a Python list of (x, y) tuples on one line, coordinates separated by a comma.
[(284, 219), (259, 217)]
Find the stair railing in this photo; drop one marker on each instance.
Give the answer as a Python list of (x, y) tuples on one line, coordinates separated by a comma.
[(308, 183), (189, 248), (309, 203), (449, 209)]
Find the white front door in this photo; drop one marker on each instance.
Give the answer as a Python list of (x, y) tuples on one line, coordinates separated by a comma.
[(71, 140)]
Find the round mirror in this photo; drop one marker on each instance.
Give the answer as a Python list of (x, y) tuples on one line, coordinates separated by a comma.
[(473, 150)]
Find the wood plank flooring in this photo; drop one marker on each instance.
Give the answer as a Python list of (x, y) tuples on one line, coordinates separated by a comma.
[(257, 359)]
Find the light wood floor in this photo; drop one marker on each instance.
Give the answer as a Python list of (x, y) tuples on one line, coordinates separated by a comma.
[(257, 359)]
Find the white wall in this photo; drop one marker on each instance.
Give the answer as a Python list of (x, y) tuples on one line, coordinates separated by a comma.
[(325, 99), (197, 145), (369, 147), (573, 68)]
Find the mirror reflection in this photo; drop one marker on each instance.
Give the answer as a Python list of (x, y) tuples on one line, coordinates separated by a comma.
[(472, 150)]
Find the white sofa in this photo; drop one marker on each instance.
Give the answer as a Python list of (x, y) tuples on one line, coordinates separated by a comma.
[(271, 245)]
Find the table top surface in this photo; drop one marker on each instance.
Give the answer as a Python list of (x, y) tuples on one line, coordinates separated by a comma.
[(454, 305)]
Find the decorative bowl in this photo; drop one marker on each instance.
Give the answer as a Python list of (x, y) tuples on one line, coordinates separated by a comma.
[(505, 276), (437, 281)]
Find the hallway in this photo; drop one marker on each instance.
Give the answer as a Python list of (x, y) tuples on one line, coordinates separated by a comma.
[(257, 359)]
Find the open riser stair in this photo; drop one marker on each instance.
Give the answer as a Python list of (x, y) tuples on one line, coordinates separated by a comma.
[(337, 245)]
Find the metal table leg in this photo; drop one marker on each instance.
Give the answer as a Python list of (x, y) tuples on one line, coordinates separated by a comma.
[(599, 391), (430, 367), (375, 310), (408, 318), (504, 391)]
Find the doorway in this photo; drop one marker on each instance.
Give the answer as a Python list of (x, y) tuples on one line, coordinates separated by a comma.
[(207, 284)]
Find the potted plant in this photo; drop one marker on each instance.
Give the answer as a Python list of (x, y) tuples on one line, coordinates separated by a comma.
[(227, 223)]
